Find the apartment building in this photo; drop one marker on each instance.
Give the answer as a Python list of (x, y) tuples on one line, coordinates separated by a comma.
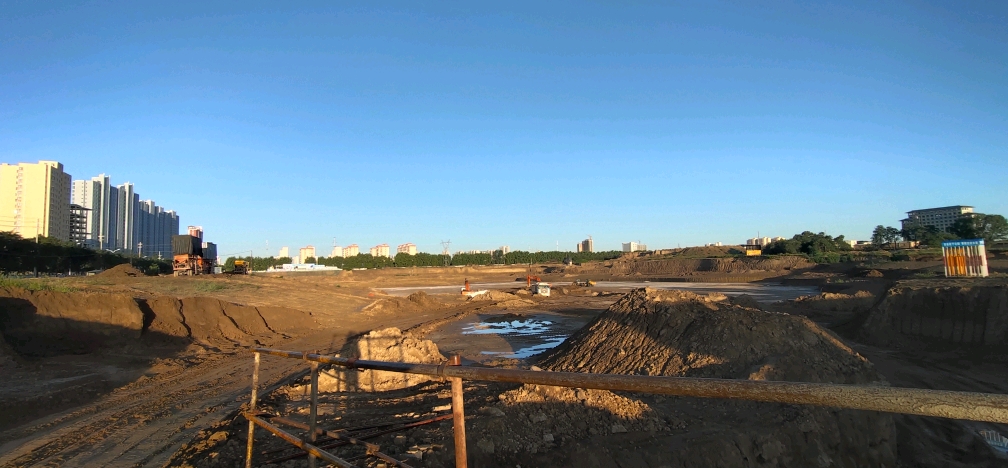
[(305, 253), (381, 250), (407, 248), (942, 218), (35, 199)]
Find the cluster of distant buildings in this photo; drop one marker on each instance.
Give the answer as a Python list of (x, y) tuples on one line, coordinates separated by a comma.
[(40, 199), (352, 250)]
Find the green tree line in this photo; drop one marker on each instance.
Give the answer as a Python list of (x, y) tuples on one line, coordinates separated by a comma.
[(422, 259), (820, 248), (52, 256)]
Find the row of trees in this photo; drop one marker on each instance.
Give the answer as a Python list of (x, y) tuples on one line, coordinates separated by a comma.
[(53, 256), (989, 227), (433, 260), (820, 247)]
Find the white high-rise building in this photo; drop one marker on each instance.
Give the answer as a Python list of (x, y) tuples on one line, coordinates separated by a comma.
[(102, 199), (116, 219)]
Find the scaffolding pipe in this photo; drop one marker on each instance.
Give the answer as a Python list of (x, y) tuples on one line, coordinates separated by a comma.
[(972, 406), (311, 449), (252, 408)]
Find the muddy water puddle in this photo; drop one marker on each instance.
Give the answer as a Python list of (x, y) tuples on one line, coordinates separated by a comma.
[(508, 335)]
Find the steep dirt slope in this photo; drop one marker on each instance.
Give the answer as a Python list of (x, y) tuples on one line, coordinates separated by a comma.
[(967, 315)]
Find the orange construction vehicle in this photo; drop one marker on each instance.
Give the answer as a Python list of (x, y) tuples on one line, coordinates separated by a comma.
[(187, 259)]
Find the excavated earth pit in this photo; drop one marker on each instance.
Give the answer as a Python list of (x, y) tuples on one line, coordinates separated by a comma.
[(64, 349), (646, 332)]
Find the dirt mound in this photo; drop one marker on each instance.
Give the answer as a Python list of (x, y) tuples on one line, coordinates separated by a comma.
[(912, 316), (504, 299), (684, 334), (677, 333), (873, 274), (213, 322), (389, 344), (121, 271), (393, 305), (747, 301), (422, 299)]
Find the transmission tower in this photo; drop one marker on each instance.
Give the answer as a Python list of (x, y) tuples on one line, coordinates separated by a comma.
[(446, 251)]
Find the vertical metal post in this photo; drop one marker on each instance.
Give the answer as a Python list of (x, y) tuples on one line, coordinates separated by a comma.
[(252, 405), (313, 412), (458, 416)]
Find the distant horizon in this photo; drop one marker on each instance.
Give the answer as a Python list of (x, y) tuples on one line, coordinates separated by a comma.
[(522, 124)]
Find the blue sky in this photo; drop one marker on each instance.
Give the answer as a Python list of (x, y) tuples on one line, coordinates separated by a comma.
[(521, 124)]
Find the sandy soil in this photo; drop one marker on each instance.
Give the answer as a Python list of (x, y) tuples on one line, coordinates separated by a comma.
[(131, 405)]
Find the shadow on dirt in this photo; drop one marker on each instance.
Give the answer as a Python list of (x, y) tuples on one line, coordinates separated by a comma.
[(56, 363)]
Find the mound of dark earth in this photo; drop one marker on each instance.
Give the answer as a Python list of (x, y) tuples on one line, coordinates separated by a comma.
[(971, 316), (674, 333)]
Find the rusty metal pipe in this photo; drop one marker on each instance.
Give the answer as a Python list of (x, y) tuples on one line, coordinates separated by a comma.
[(372, 449), (988, 407), (313, 412), (252, 407), (340, 443), (458, 416), (311, 449)]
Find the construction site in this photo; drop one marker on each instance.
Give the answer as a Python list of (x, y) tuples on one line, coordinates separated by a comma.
[(690, 361)]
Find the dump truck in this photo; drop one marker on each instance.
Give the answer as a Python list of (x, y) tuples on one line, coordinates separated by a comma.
[(241, 267), (187, 256)]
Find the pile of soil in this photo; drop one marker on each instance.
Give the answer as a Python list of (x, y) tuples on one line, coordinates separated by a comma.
[(503, 299), (910, 316), (680, 333), (389, 344), (676, 333), (121, 271), (873, 274), (214, 323), (394, 305), (830, 308)]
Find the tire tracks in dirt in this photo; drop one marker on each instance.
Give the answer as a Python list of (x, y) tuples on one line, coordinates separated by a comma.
[(146, 422)]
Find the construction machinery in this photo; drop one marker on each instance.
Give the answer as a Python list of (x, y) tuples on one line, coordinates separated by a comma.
[(584, 283), (188, 256), (241, 267)]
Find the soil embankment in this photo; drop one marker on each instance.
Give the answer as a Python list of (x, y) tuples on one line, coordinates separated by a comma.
[(751, 268), (68, 348), (48, 323), (974, 315)]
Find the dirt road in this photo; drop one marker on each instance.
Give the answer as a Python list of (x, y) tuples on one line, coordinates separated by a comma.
[(147, 421)]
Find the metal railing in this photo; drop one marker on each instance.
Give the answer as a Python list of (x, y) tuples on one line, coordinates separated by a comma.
[(987, 407)]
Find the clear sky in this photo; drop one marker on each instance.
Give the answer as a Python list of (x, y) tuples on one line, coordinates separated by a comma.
[(525, 124)]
